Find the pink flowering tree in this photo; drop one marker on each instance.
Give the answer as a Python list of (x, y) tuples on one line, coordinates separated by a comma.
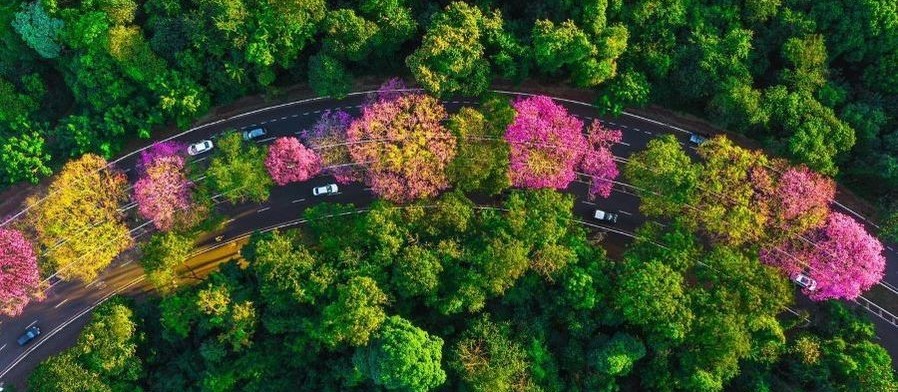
[(841, 256), (545, 144), (387, 91), (802, 198), (158, 150), (163, 191), (19, 278), (598, 160), (289, 161), (405, 147), (328, 139)]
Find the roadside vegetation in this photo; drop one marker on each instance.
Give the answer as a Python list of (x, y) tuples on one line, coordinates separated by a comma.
[(429, 291), (446, 295), (813, 80)]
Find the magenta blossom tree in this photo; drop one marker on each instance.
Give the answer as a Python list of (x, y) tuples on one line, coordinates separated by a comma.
[(163, 191), (328, 139), (803, 198), (841, 256), (405, 147), (545, 144), (19, 278), (159, 150), (289, 161), (598, 160), (387, 91)]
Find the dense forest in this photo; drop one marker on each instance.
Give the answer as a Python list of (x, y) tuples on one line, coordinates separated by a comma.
[(814, 80), (448, 295)]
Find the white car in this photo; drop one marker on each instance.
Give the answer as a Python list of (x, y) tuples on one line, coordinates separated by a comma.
[(605, 216), (200, 147), (805, 281), (328, 189)]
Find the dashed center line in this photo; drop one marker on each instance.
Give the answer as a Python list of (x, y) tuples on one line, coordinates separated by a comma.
[(625, 144), (298, 201), (624, 212), (263, 209), (60, 303), (32, 324)]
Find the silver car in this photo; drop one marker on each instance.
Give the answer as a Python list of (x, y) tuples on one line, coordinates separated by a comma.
[(253, 133), (328, 189), (200, 147)]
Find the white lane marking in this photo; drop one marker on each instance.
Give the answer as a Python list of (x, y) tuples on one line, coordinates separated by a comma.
[(263, 122), (305, 113), (229, 221), (317, 111), (4, 346), (60, 303), (656, 122), (32, 324), (890, 248), (625, 144), (455, 102), (624, 126), (587, 202), (358, 106), (646, 132), (298, 201), (624, 212), (265, 140), (368, 189), (294, 115), (263, 209), (127, 170), (284, 118), (297, 132)]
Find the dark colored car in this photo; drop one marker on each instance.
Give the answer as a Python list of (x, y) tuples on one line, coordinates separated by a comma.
[(29, 335)]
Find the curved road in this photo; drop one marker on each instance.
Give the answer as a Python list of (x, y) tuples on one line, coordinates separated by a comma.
[(61, 315)]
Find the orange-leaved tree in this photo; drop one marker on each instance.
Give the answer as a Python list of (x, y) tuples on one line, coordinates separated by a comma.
[(79, 225)]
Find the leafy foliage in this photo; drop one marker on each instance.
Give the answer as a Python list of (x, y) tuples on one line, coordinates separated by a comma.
[(237, 170)]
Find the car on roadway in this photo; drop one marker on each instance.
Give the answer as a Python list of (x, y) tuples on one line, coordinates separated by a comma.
[(253, 133), (605, 216), (200, 147), (805, 281), (29, 335), (329, 189), (698, 139)]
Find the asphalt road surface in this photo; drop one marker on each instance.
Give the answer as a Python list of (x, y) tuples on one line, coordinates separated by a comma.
[(66, 307)]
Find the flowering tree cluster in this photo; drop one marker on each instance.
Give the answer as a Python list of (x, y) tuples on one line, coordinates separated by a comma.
[(19, 276), (802, 198), (405, 147), (163, 191), (388, 91), (79, 222), (328, 139), (289, 161), (841, 256), (598, 160), (158, 150), (546, 144)]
